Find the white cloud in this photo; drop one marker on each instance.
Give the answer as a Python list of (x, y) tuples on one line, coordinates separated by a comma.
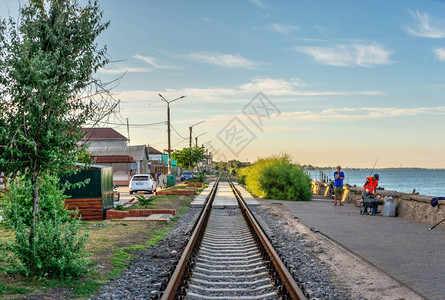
[(123, 69), (258, 3), (292, 87), (281, 129), (440, 53), (349, 55), (277, 90), (222, 60), (352, 114), (272, 86), (269, 86), (426, 26), (282, 28), (153, 62)]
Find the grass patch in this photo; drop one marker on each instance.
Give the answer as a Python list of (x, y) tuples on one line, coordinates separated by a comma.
[(12, 289), (112, 245), (165, 202)]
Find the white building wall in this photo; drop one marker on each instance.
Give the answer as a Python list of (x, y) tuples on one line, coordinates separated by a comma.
[(104, 143), (155, 157)]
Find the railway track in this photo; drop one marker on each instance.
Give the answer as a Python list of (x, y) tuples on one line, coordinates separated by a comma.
[(229, 257)]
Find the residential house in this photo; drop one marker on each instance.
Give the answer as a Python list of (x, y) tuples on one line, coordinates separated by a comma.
[(103, 137), (156, 162), (126, 161), (206, 163), (108, 147)]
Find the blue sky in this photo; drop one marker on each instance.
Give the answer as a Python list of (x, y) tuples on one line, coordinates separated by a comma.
[(328, 82)]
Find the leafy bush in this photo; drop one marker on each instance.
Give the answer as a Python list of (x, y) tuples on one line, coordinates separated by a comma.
[(57, 249), (119, 207), (241, 178), (276, 177), (18, 195), (145, 201), (285, 181)]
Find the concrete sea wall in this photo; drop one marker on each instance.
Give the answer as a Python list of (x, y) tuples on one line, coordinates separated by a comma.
[(410, 206)]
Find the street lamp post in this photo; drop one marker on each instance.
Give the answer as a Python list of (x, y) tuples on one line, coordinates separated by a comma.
[(190, 140), (196, 138), (168, 130)]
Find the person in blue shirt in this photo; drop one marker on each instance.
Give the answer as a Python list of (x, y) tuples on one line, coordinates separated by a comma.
[(338, 186)]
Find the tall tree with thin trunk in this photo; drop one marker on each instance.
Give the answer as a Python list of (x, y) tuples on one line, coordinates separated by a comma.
[(188, 158), (48, 89)]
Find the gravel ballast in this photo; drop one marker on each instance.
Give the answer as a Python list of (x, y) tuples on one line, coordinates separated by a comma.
[(300, 256), (149, 271)]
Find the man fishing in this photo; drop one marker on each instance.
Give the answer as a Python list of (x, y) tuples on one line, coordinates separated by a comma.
[(370, 186), (339, 176)]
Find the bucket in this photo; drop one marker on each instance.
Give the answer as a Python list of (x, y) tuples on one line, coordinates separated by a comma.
[(389, 207)]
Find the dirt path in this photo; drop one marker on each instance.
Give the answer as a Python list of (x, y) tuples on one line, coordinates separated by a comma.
[(352, 271)]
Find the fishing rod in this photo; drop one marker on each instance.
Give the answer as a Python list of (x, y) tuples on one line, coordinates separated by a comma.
[(431, 228), (372, 170), (434, 203)]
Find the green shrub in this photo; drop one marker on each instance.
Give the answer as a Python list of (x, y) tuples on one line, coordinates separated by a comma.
[(145, 201), (241, 178), (119, 207), (18, 200), (285, 181), (276, 177), (57, 250)]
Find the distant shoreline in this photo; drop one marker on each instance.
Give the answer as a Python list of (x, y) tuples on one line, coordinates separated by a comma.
[(346, 168)]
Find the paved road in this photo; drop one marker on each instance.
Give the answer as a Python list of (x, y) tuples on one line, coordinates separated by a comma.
[(404, 249), (125, 195)]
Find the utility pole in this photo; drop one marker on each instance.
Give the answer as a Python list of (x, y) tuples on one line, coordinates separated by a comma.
[(190, 139), (168, 131), (196, 138), (128, 132)]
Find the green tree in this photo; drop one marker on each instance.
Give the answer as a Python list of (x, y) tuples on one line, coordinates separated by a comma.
[(84, 157), (47, 88), (187, 158), (58, 249), (236, 164)]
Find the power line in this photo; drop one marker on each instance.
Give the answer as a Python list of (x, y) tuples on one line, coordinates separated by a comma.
[(133, 125), (179, 143), (178, 132)]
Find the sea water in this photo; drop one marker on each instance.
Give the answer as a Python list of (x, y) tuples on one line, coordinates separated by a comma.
[(429, 182)]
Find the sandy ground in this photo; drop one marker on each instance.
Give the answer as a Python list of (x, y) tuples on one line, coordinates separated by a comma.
[(352, 271)]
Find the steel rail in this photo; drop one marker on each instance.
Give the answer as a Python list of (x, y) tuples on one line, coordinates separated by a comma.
[(290, 285), (178, 275)]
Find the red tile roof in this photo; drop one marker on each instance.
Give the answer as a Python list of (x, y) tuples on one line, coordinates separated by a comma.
[(105, 133), (152, 150), (113, 159)]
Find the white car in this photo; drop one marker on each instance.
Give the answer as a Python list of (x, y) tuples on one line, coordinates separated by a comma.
[(142, 183)]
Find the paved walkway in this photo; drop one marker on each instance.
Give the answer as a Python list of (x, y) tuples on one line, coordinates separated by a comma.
[(404, 249)]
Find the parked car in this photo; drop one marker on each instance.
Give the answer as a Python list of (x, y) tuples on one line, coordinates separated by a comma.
[(186, 175), (142, 183)]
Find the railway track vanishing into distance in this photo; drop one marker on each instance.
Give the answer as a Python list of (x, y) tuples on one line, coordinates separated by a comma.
[(229, 257)]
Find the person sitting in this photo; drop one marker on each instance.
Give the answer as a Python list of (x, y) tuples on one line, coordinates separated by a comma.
[(370, 186)]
